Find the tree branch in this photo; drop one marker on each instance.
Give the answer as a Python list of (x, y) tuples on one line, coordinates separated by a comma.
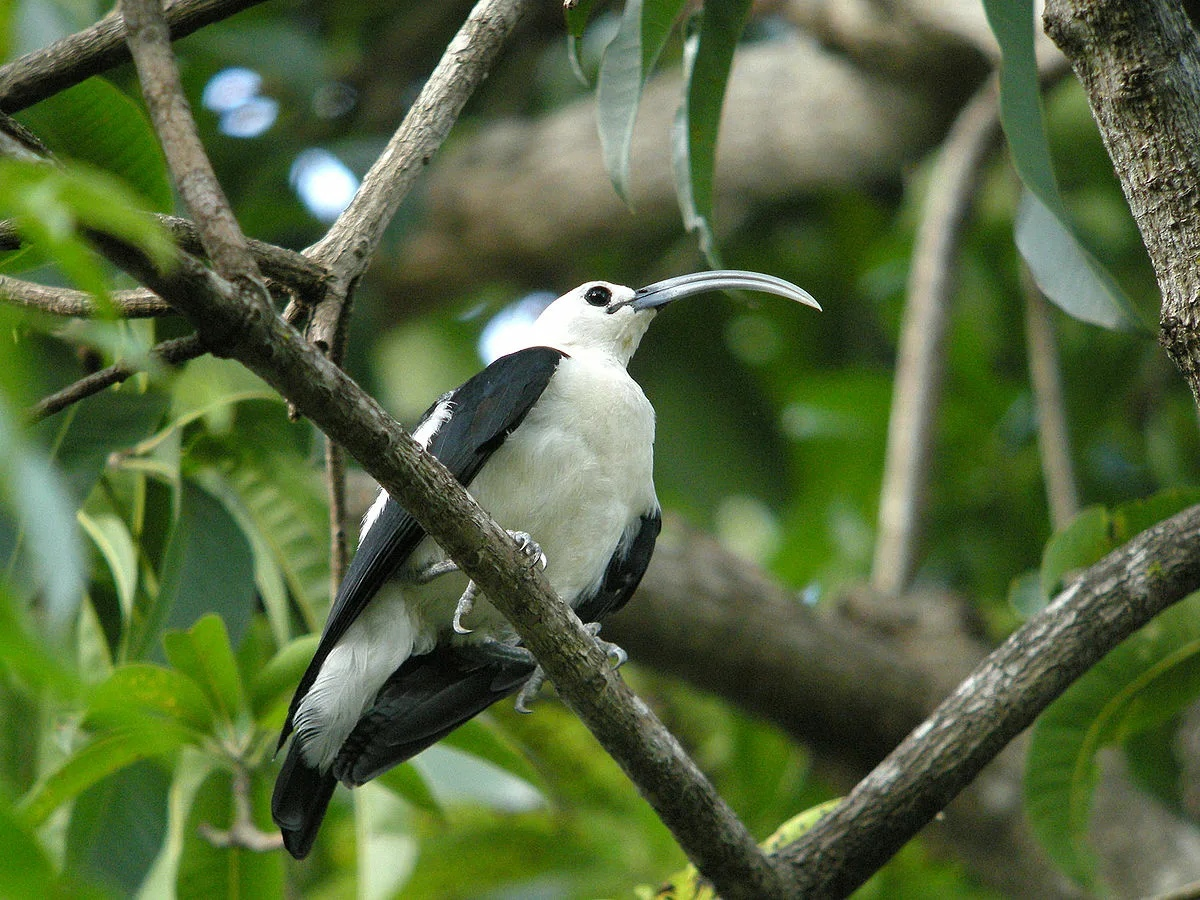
[(1109, 601), (138, 303), (916, 391), (149, 42), (1054, 442), (66, 62), (1139, 62), (348, 247), (173, 353)]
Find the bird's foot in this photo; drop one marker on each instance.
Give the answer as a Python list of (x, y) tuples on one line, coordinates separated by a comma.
[(534, 556), (528, 693)]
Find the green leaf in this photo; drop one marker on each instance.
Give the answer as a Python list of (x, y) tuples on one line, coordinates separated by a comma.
[(96, 123), (1066, 271), (203, 654), (1141, 685), (577, 14), (25, 870), (144, 690), (1044, 233), (1025, 594), (192, 771), (117, 827), (50, 207), (279, 508), (111, 537), (624, 69), (1082, 542), (1155, 766), (208, 567), (47, 534), (480, 737), (107, 754), (410, 784), (274, 684), (708, 59)]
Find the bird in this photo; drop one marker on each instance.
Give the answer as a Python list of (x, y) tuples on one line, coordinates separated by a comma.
[(556, 442)]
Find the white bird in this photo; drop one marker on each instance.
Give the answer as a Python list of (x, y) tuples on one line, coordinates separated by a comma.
[(555, 440)]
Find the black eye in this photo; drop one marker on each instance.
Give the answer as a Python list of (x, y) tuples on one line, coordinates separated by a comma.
[(597, 295)]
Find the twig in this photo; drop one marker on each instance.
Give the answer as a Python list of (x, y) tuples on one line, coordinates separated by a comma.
[(917, 389), (1054, 442), (138, 303), (150, 45), (1002, 697), (66, 62), (173, 353), (242, 831)]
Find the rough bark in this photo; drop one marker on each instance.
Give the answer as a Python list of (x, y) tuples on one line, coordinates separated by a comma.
[(1139, 62)]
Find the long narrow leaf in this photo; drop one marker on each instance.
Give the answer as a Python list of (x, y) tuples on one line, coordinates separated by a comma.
[(1044, 232), (626, 66), (708, 63)]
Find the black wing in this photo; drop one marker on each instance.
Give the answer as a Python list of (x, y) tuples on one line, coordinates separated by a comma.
[(423, 701), (625, 570), (486, 409)]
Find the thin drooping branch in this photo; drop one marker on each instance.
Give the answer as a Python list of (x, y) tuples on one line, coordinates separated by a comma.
[(149, 42), (707, 829), (137, 303), (916, 392), (1139, 63), (66, 62), (172, 353), (1106, 604), (1054, 442)]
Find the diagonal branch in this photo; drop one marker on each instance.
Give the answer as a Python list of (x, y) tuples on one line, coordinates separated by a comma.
[(1002, 697), (348, 247), (66, 62), (173, 353), (150, 45)]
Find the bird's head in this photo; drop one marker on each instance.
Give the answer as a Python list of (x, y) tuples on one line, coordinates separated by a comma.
[(612, 319)]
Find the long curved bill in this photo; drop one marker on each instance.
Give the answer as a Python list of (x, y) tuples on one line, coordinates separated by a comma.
[(663, 292)]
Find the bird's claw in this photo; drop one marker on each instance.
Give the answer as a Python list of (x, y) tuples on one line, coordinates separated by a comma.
[(528, 694), (466, 603), (529, 547), (616, 654)]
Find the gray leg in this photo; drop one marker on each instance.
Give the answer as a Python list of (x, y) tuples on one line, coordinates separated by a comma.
[(528, 693)]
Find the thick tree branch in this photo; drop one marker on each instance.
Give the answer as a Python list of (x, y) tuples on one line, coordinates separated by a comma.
[(1139, 62), (916, 392), (1105, 605), (66, 62)]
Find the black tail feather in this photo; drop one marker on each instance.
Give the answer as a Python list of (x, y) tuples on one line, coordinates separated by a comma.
[(299, 802)]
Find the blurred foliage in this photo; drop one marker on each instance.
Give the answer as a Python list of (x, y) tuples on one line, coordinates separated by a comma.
[(165, 544)]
